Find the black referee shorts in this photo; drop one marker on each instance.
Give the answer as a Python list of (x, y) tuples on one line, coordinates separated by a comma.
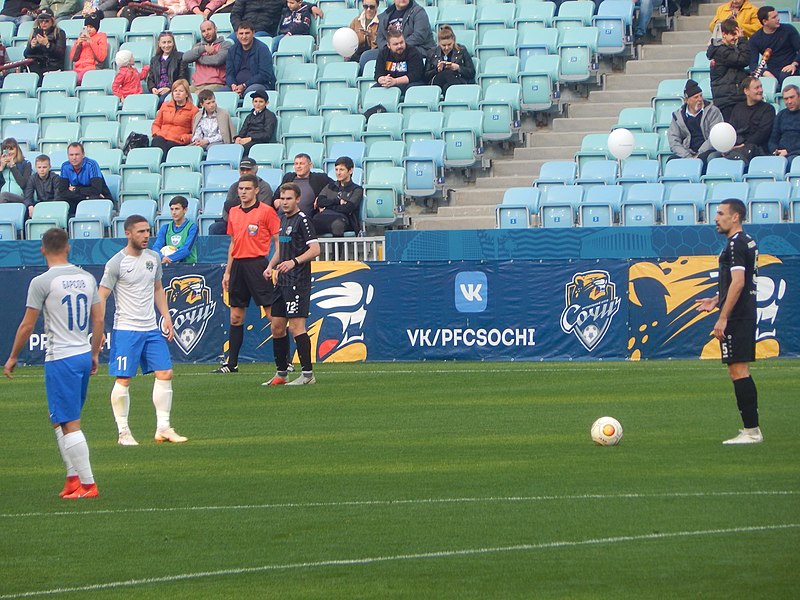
[(247, 281), (739, 345), (291, 302)]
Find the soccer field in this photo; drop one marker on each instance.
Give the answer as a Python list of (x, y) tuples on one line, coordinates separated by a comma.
[(424, 480)]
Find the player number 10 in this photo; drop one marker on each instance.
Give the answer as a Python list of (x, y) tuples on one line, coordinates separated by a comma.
[(77, 314)]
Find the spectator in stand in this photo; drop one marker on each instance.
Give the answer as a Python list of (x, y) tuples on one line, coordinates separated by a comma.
[(784, 42), (399, 65), (366, 27), (91, 47), (785, 137), (262, 15), (15, 172), (642, 23), (47, 45), (180, 234), (295, 20), (449, 63), (128, 80), (62, 9), (18, 11), (80, 179), (689, 131), (310, 183), (42, 186), (212, 124), (264, 195), (259, 124), (174, 7), (729, 58), (249, 64), (339, 202), (166, 67), (210, 54), (745, 14), (109, 8), (753, 120), (204, 7), (173, 123), (409, 18)]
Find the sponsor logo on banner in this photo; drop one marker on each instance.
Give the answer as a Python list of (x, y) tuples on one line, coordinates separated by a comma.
[(191, 308), (591, 303), (471, 291)]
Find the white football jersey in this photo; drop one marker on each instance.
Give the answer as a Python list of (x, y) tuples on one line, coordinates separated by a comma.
[(132, 279), (64, 294)]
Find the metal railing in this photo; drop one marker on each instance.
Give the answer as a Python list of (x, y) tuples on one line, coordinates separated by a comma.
[(352, 248)]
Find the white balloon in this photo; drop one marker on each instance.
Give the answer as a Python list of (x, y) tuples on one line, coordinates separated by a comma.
[(620, 143), (723, 137), (345, 42)]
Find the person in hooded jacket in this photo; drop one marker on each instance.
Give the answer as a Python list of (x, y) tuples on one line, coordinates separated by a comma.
[(729, 58)]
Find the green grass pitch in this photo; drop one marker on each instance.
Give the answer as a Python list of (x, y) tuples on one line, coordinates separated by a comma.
[(424, 480)]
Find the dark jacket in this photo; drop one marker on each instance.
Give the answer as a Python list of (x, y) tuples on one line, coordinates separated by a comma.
[(263, 14), (13, 8), (48, 59), (785, 45), (260, 127), (176, 69), (416, 27), (41, 190), (297, 22), (728, 71), (410, 60), (459, 55), (260, 63), (317, 180), (753, 125), (785, 132), (329, 199)]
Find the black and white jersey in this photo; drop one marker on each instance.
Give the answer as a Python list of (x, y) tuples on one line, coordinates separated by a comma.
[(740, 253), (296, 233)]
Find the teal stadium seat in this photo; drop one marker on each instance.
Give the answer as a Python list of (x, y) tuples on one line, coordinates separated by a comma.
[(495, 17), (637, 120), (337, 76), (424, 166), (344, 128), (302, 130), (531, 16), (267, 155), (497, 42), (97, 82), (384, 153), (598, 172), (684, 204), (141, 160), (539, 81), (769, 201), (419, 99), (600, 206), (423, 126), (462, 134), (144, 207), (92, 219), (302, 76), (501, 107), (46, 215), (556, 173), (577, 49), (182, 158), (559, 206), (614, 21), (216, 185), (97, 108), (642, 204), (146, 29), (293, 49), (518, 207), (383, 127), (58, 135), (212, 212), (573, 14), (383, 195), (57, 110), (339, 101), (100, 137), (138, 186), (461, 97), (12, 218), (222, 157), (21, 110)]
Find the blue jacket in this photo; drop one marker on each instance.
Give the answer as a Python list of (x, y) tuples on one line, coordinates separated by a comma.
[(259, 61)]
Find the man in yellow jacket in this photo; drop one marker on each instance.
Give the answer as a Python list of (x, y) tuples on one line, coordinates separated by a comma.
[(741, 10)]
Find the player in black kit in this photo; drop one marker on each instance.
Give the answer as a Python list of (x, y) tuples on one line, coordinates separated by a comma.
[(736, 325), (290, 269)]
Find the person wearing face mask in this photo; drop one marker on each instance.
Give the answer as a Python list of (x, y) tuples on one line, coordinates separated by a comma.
[(449, 63), (166, 67), (691, 124)]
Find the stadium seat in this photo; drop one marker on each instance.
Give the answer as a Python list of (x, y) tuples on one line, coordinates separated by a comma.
[(338, 102), (92, 219), (642, 204), (139, 186), (186, 29), (424, 167), (223, 23), (574, 14), (594, 147), (700, 67), (7, 29), (115, 27), (100, 136), (302, 76), (496, 42), (637, 119), (418, 99), (539, 81), (183, 183), (493, 18), (12, 218), (217, 184), (293, 49), (598, 172), (45, 216), (384, 153), (109, 160), (337, 76), (58, 83), (142, 52), (144, 207), (668, 99), (461, 97), (96, 82), (222, 157), (684, 204), (26, 134), (559, 205), (462, 135), (138, 107), (146, 29), (765, 168), (97, 108), (423, 126), (518, 207), (534, 16), (21, 110), (499, 69), (382, 195), (344, 128), (302, 130), (57, 110), (723, 170), (301, 103), (212, 212), (58, 135), (141, 160), (461, 17), (325, 54), (614, 21), (383, 127), (501, 107), (114, 183), (267, 155), (182, 158), (769, 201), (600, 206), (681, 170), (556, 173), (577, 49)]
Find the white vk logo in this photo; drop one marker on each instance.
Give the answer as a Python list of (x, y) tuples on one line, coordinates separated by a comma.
[(471, 291)]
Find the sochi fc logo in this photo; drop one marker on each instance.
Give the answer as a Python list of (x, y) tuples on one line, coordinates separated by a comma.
[(191, 308), (591, 303)]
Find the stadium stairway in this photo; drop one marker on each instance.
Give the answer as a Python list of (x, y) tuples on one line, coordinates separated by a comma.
[(472, 206)]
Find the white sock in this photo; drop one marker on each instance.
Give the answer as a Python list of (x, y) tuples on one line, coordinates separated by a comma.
[(162, 400), (71, 472), (78, 451), (120, 404)]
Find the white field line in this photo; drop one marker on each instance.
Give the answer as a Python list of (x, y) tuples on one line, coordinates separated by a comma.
[(395, 502), (343, 562)]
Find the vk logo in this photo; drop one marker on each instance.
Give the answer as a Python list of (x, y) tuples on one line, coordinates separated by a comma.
[(472, 291)]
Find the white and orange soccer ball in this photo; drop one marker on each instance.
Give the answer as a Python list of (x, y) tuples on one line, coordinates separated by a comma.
[(606, 431)]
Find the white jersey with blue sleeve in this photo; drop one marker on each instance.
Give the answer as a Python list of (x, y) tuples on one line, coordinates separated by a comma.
[(132, 279), (64, 294)]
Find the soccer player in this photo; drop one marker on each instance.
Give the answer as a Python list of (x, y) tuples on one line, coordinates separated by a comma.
[(736, 324), (134, 275), (67, 296), (253, 226), (290, 265)]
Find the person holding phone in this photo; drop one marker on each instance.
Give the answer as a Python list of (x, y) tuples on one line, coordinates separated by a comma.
[(449, 63), (47, 45)]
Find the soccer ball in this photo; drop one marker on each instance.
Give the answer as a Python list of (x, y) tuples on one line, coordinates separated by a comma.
[(167, 250), (606, 431)]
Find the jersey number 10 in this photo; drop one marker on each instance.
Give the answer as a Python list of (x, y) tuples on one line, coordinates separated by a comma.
[(77, 314)]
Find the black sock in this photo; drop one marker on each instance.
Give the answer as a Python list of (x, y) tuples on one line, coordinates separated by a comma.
[(235, 344), (747, 401), (304, 351), (280, 347)]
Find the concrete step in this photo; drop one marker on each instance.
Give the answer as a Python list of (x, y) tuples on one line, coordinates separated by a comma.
[(545, 138), (664, 51), (524, 178), (708, 10), (622, 81), (662, 67), (541, 153), (694, 38), (529, 167), (431, 222), (472, 196), (485, 210), (640, 97), (597, 109), (695, 23), (585, 124)]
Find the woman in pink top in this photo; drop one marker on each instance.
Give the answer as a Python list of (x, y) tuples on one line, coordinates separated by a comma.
[(91, 47)]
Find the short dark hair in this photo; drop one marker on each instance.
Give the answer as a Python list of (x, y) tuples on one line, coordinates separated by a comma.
[(291, 187), (76, 145), (251, 178), (346, 161), (394, 33), (245, 25), (729, 25), (179, 200), (763, 13), (747, 81), (304, 155), (204, 95), (55, 240), (738, 207), (43, 158), (134, 220)]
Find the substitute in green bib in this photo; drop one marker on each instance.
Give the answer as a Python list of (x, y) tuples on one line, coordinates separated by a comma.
[(175, 240)]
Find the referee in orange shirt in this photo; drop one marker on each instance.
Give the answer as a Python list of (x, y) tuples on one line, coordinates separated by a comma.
[(253, 226)]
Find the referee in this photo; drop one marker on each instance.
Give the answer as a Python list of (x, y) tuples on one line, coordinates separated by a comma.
[(252, 225), (291, 268), (736, 324)]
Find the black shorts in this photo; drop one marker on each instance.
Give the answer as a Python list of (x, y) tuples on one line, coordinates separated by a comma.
[(291, 302), (247, 281), (739, 345)]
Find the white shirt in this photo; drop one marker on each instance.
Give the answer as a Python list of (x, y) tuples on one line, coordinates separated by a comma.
[(132, 279)]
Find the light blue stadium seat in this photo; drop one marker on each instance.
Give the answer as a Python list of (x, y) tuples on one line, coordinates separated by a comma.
[(539, 81), (325, 54), (424, 167), (186, 29), (114, 183), (598, 172), (301, 103), (222, 157), (462, 135), (343, 128), (701, 66), (498, 69), (316, 150), (223, 23), (384, 153), (23, 34), (144, 207), (146, 29), (26, 134), (273, 177), (337, 76), (115, 27), (559, 205), (638, 170), (92, 219), (556, 173), (141, 160), (140, 186), (668, 98), (383, 127), (600, 206), (495, 17), (12, 218), (57, 110), (267, 155), (637, 119), (58, 135), (536, 42), (461, 97), (518, 207), (497, 42), (338, 102), (97, 108), (354, 150), (460, 17), (642, 204), (18, 85), (100, 137), (217, 184), (423, 126), (681, 170), (594, 147), (212, 212), (389, 98), (302, 76), (723, 191), (765, 168), (382, 195), (418, 99), (293, 49), (7, 29), (183, 183), (46, 215), (614, 21), (769, 201), (182, 158), (302, 130), (501, 107), (684, 204), (577, 49), (138, 107), (574, 14), (720, 170), (96, 82), (533, 16), (21, 110), (57, 83), (142, 52)]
